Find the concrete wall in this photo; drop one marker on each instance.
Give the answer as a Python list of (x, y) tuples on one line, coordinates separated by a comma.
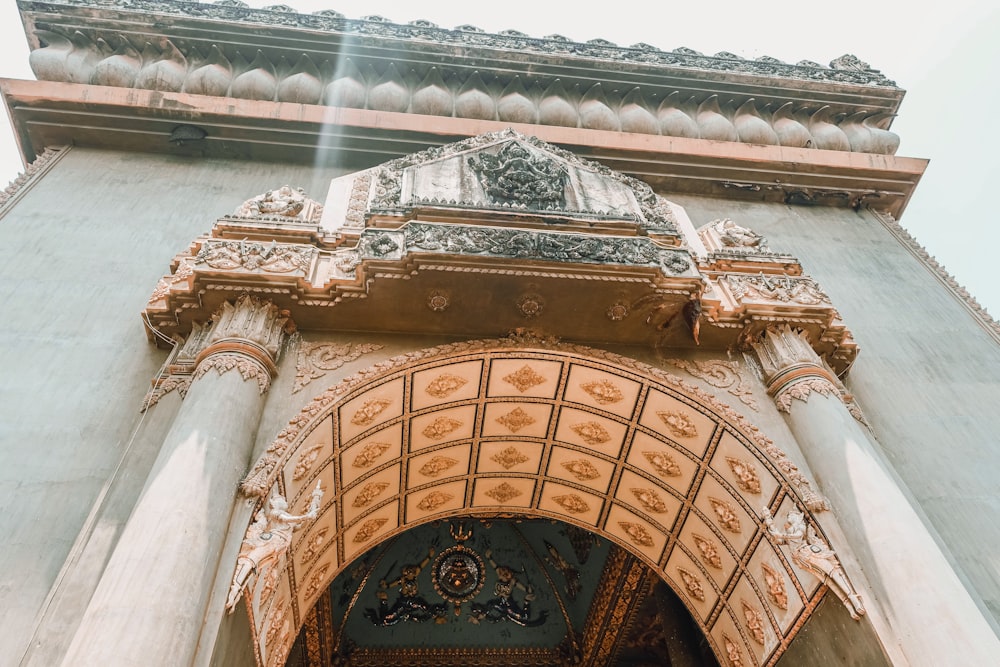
[(84, 248), (927, 376)]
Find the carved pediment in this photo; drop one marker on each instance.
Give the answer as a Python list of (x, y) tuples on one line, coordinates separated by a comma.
[(502, 172)]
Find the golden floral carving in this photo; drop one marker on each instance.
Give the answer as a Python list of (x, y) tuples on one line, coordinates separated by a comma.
[(572, 503), (754, 622), (582, 469), (509, 457), (315, 581), (368, 530), (650, 500), (277, 619), (306, 460), (591, 432), (638, 534), (733, 653), (369, 411), (445, 385), (264, 472), (311, 549), (440, 427), (663, 463), (314, 360), (368, 493), (524, 378), (692, 584), (746, 477), (434, 500), (503, 493), (370, 453), (678, 423), (436, 466), (775, 587), (709, 552), (515, 420), (726, 514), (603, 391), (269, 584)]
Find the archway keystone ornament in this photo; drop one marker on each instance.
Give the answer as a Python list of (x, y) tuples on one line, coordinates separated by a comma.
[(631, 481)]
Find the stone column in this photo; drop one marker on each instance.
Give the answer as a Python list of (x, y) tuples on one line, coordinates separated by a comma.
[(151, 602), (925, 609)]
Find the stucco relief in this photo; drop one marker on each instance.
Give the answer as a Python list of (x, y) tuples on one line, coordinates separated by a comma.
[(248, 368), (813, 554), (720, 374), (314, 360)]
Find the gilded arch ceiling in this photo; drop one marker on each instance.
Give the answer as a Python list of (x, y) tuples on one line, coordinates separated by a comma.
[(523, 428)]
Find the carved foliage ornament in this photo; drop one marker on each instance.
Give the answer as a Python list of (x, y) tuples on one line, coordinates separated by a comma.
[(720, 374), (582, 469), (746, 477), (733, 653), (678, 423), (369, 454), (692, 584), (515, 420), (524, 378), (572, 503), (368, 493), (247, 367), (603, 391), (369, 411), (523, 243), (784, 289), (726, 515), (663, 464), (368, 530), (445, 385), (434, 500), (517, 176), (503, 493), (637, 533), (775, 586), (509, 457), (441, 427), (254, 256), (315, 359), (650, 500), (437, 465), (709, 552), (306, 460), (755, 625), (592, 433)]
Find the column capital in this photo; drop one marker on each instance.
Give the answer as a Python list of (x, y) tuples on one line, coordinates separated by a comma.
[(791, 367), (251, 327)]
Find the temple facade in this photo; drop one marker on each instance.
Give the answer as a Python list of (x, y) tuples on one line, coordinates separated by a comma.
[(383, 344)]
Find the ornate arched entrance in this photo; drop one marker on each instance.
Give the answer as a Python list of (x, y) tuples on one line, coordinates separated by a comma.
[(521, 427)]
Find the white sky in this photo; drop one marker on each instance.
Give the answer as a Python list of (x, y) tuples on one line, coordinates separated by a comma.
[(945, 55)]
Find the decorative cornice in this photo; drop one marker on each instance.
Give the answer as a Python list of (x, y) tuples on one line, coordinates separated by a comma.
[(981, 315), (845, 69), (23, 182)]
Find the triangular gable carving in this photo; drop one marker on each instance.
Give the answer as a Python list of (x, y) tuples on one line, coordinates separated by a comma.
[(506, 172)]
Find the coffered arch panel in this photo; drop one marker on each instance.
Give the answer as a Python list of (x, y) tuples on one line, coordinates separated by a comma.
[(519, 427)]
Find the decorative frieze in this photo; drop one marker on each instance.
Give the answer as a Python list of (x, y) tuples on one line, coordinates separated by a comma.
[(784, 289), (530, 244), (254, 256)]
